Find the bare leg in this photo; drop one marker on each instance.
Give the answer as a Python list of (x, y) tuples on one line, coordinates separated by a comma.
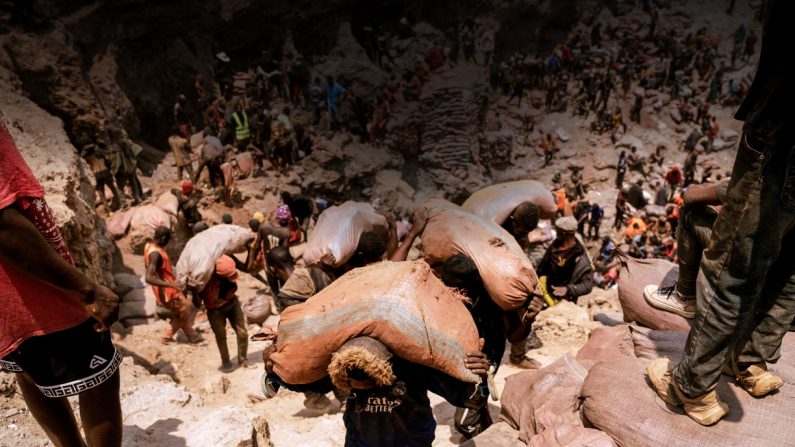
[(54, 415), (100, 412)]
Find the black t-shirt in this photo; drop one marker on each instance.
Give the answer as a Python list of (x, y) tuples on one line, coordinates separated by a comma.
[(399, 415), (766, 109), (559, 266)]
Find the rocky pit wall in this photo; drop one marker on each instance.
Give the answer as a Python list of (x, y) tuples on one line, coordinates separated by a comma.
[(65, 176)]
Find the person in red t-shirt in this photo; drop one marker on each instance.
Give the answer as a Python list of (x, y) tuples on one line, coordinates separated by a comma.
[(674, 179), (222, 304), (54, 324)]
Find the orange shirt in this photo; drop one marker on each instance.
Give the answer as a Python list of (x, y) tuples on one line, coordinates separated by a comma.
[(218, 292), (561, 199), (631, 231), (164, 272)]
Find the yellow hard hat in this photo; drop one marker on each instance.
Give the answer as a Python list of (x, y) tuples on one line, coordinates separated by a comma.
[(259, 216)]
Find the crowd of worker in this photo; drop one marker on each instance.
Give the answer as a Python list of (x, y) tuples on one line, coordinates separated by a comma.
[(672, 220)]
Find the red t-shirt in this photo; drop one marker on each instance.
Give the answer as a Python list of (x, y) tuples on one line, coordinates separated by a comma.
[(29, 306)]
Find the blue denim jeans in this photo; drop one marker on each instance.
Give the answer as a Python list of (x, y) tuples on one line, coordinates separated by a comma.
[(742, 301)]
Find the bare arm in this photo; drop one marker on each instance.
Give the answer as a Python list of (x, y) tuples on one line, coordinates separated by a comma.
[(392, 237), (34, 255), (280, 232), (704, 194), (519, 323), (151, 272), (420, 220), (251, 257)]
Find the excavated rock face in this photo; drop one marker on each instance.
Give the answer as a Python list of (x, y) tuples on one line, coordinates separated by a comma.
[(66, 178), (127, 60)]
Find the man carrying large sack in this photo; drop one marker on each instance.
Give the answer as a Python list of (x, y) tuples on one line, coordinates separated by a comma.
[(388, 403), (494, 325), (160, 275), (291, 285), (220, 298), (749, 246)]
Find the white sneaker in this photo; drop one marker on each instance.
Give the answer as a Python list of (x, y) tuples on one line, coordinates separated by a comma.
[(669, 300)]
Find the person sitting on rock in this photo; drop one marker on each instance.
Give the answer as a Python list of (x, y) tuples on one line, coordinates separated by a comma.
[(388, 403), (566, 264), (169, 296), (494, 325), (220, 299)]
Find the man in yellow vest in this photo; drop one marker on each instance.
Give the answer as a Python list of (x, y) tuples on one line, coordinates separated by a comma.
[(242, 130)]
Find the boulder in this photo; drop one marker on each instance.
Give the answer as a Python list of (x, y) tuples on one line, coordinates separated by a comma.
[(565, 323)]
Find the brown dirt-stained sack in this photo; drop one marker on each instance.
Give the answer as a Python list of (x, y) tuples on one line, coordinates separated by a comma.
[(119, 223), (507, 274), (257, 309), (633, 276), (651, 344), (497, 202), (619, 402), (606, 343), (556, 433), (401, 304), (555, 389)]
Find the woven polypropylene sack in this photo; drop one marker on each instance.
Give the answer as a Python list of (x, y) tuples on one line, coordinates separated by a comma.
[(634, 275), (148, 217), (618, 401), (507, 274), (554, 432), (554, 389), (168, 202), (606, 343), (337, 232), (401, 304), (257, 309), (197, 261), (497, 202)]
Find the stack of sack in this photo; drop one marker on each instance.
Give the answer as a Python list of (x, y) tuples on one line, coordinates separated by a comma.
[(601, 396), (136, 300), (401, 304)]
